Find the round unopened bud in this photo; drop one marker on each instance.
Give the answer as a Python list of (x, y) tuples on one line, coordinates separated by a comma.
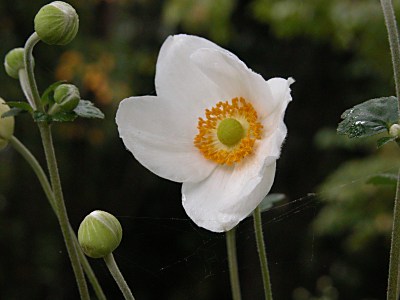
[(14, 61), (394, 130), (99, 234), (67, 96), (6, 125), (57, 23)]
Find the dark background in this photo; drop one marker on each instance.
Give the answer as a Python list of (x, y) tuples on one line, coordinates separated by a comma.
[(328, 240)]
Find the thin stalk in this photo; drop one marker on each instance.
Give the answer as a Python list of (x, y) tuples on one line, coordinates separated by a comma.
[(28, 62), (262, 253), (393, 34), (119, 279), (233, 266), (41, 175), (393, 285), (393, 278), (47, 141)]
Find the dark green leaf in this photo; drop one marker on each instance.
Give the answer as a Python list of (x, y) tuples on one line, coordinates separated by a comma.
[(64, 117), (12, 112), (48, 95), (385, 140), (41, 117), (270, 200), (86, 109), (384, 178), (21, 105), (369, 118)]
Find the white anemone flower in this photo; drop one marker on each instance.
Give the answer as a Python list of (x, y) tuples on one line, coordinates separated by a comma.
[(215, 125)]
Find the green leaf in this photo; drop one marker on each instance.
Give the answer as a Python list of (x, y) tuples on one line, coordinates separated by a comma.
[(14, 111), (369, 118), (64, 117), (385, 140), (48, 95), (25, 106), (384, 178), (86, 109), (41, 117), (270, 200)]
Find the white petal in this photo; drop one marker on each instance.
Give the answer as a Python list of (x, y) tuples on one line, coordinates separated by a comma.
[(156, 134), (233, 77), (179, 80), (228, 195)]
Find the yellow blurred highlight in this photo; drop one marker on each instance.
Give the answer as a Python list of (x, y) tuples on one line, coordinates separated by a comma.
[(94, 76)]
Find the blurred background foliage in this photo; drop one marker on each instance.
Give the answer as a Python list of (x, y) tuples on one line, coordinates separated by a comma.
[(330, 240)]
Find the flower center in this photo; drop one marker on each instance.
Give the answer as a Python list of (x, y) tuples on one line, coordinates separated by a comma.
[(229, 131)]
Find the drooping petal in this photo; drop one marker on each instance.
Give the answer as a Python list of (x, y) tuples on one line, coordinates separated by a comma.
[(228, 195), (156, 134), (235, 79), (178, 79)]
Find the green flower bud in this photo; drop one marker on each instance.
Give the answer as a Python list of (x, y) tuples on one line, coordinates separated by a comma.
[(57, 23), (67, 96), (14, 61), (99, 234), (6, 125), (394, 130)]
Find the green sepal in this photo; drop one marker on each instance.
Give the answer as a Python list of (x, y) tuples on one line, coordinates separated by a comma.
[(384, 178), (48, 95), (64, 117), (385, 140), (370, 117), (39, 116), (86, 109), (13, 112)]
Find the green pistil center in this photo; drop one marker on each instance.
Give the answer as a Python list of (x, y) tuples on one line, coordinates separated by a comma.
[(230, 131)]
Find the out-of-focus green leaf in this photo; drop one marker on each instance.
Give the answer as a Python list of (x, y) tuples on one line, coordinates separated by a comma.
[(64, 117), (41, 117), (384, 178), (21, 105), (86, 109), (385, 140), (369, 118), (14, 111)]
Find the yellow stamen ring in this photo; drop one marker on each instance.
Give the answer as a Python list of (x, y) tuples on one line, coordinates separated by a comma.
[(229, 131)]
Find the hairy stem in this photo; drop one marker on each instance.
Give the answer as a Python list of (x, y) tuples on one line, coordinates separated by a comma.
[(393, 284), (41, 175), (262, 253), (391, 26), (30, 78), (47, 141), (233, 266), (119, 279)]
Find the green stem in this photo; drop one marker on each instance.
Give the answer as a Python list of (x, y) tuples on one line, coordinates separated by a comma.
[(47, 141), (28, 62), (233, 266), (393, 34), (262, 253), (119, 279), (392, 291), (38, 170)]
